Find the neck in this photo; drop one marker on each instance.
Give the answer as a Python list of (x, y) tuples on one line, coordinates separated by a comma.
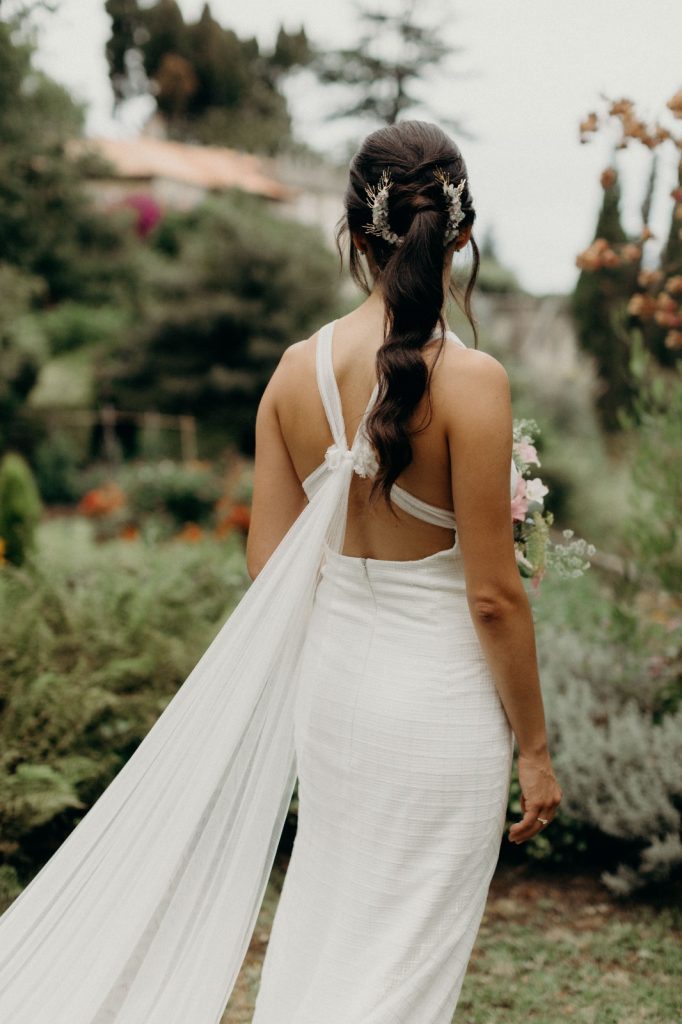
[(374, 307)]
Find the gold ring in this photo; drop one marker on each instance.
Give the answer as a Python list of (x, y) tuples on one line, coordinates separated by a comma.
[(544, 821)]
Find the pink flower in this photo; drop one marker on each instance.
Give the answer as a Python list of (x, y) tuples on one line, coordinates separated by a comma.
[(527, 451), (519, 503), (536, 580)]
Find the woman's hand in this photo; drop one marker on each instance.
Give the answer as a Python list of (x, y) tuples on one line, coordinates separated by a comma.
[(540, 796)]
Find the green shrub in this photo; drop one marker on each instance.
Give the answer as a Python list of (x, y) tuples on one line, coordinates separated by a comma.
[(185, 493), (20, 508), (611, 684), (56, 468), (72, 325), (653, 528), (95, 641)]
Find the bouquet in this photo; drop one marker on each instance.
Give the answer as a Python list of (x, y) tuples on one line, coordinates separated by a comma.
[(535, 551)]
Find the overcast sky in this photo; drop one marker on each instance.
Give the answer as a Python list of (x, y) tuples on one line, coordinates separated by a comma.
[(536, 68)]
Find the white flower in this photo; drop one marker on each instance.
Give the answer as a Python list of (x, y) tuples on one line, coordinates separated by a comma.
[(365, 462), (536, 490)]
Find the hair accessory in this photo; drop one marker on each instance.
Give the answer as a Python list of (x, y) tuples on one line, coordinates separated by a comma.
[(452, 195), (377, 197)]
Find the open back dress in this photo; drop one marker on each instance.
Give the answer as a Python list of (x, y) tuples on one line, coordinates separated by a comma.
[(404, 755)]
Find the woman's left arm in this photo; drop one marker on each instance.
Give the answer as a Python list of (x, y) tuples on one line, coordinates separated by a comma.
[(278, 496)]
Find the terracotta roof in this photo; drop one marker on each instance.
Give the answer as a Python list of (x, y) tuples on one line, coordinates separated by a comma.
[(210, 167)]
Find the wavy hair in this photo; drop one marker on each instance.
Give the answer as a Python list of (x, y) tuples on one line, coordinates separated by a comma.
[(410, 275)]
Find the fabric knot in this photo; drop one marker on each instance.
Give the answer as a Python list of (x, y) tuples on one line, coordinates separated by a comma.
[(336, 454), (362, 457)]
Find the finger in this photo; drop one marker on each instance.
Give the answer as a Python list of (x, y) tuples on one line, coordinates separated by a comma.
[(521, 830), (543, 820)]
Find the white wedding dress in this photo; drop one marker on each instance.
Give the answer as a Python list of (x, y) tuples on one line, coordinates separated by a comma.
[(367, 678), (404, 755)]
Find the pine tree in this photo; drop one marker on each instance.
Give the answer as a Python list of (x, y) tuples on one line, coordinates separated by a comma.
[(393, 53), (599, 305)]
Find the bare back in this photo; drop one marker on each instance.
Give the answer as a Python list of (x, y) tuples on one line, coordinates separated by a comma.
[(375, 530)]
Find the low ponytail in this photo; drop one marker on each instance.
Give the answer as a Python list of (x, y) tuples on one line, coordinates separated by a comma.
[(410, 274)]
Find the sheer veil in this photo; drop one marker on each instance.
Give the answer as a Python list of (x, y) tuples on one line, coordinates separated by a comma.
[(145, 912)]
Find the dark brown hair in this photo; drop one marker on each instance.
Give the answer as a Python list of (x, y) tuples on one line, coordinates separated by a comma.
[(410, 275)]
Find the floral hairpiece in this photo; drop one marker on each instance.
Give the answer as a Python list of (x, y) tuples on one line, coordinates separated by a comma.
[(453, 195), (377, 197)]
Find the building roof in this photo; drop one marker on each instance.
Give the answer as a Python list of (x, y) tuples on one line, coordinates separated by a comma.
[(210, 167)]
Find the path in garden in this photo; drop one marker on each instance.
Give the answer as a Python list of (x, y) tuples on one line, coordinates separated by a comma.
[(551, 948)]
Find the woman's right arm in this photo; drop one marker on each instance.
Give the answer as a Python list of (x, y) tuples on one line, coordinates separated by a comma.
[(479, 426)]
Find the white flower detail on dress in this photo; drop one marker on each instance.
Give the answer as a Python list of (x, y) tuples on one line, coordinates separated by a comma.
[(365, 463)]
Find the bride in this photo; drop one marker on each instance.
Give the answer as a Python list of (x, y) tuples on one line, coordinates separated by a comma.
[(384, 655)]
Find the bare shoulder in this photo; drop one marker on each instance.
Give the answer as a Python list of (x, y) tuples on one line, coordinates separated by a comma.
[(468, 381), (296, 361)]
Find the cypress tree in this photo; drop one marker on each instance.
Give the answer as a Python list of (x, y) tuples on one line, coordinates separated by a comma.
[(599, 306)]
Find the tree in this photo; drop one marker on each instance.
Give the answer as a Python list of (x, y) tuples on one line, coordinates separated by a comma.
[(23, 347), (393, 53), (234, 285), (493, 275), (613, 263), (210, 86), (48, 227), (599, 304)]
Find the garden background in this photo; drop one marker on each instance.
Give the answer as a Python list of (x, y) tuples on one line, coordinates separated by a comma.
[(150, 279)]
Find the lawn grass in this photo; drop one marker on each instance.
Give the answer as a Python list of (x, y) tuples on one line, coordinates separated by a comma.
[(551, 948)]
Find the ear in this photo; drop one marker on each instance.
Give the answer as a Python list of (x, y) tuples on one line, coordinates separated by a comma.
[(359, 241), (463, 238)]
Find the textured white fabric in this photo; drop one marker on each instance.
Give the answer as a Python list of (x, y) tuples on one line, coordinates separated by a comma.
[(404, 756), (144, 914)]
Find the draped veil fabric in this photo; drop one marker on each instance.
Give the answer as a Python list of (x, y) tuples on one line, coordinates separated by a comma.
[(145, 912)]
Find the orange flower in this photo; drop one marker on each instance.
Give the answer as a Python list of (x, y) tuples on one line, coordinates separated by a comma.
[(190, 532), (102, 501), (240, 516), (129, 532), (590, 124), (666, 302), (642, 306), (675, 103), (608, 177), (647, 278), (631, 252)]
